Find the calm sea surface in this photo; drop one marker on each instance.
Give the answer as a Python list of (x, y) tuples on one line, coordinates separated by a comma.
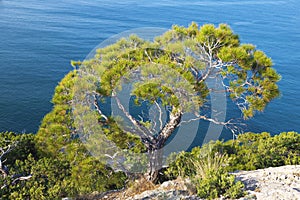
[(39, 38)]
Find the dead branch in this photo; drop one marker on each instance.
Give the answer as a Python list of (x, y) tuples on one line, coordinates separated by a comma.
[(4, 169), (4, 151), (98, 107)]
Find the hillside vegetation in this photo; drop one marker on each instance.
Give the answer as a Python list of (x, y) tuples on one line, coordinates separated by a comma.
[(60, 166)]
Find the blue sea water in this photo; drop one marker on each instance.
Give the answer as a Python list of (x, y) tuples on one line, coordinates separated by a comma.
[(39, 38)]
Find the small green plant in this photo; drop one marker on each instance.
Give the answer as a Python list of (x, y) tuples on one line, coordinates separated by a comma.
[(208, 171), (211, 178), (207, 163), (218, 184)]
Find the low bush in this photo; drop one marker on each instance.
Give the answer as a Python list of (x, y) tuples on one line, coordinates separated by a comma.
[(209, 166), (207, 170)]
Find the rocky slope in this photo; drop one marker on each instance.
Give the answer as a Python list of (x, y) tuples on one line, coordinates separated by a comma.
[(272, 183), (267, 184)]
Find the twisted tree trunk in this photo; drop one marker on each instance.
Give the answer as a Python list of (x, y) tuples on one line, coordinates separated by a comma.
[(156, 150)]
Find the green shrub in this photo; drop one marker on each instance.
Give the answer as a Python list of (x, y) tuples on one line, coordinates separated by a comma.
[(262, 150), (211, 178), (209, 165), (217, 184), (208, 172)]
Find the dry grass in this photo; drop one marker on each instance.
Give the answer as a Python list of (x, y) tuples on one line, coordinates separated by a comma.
[(141, 185), (138, 186), (209, 163), (133, 188)]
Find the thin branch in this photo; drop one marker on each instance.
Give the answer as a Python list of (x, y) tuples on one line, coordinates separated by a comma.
[(160, 115), (22, 178), (98, 107), (228, 124), (4, 151), (137, 124), (4, 169), (8, 149), (148, 56)]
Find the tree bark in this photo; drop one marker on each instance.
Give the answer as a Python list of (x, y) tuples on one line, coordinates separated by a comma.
[(156, 151), (155, 164)]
